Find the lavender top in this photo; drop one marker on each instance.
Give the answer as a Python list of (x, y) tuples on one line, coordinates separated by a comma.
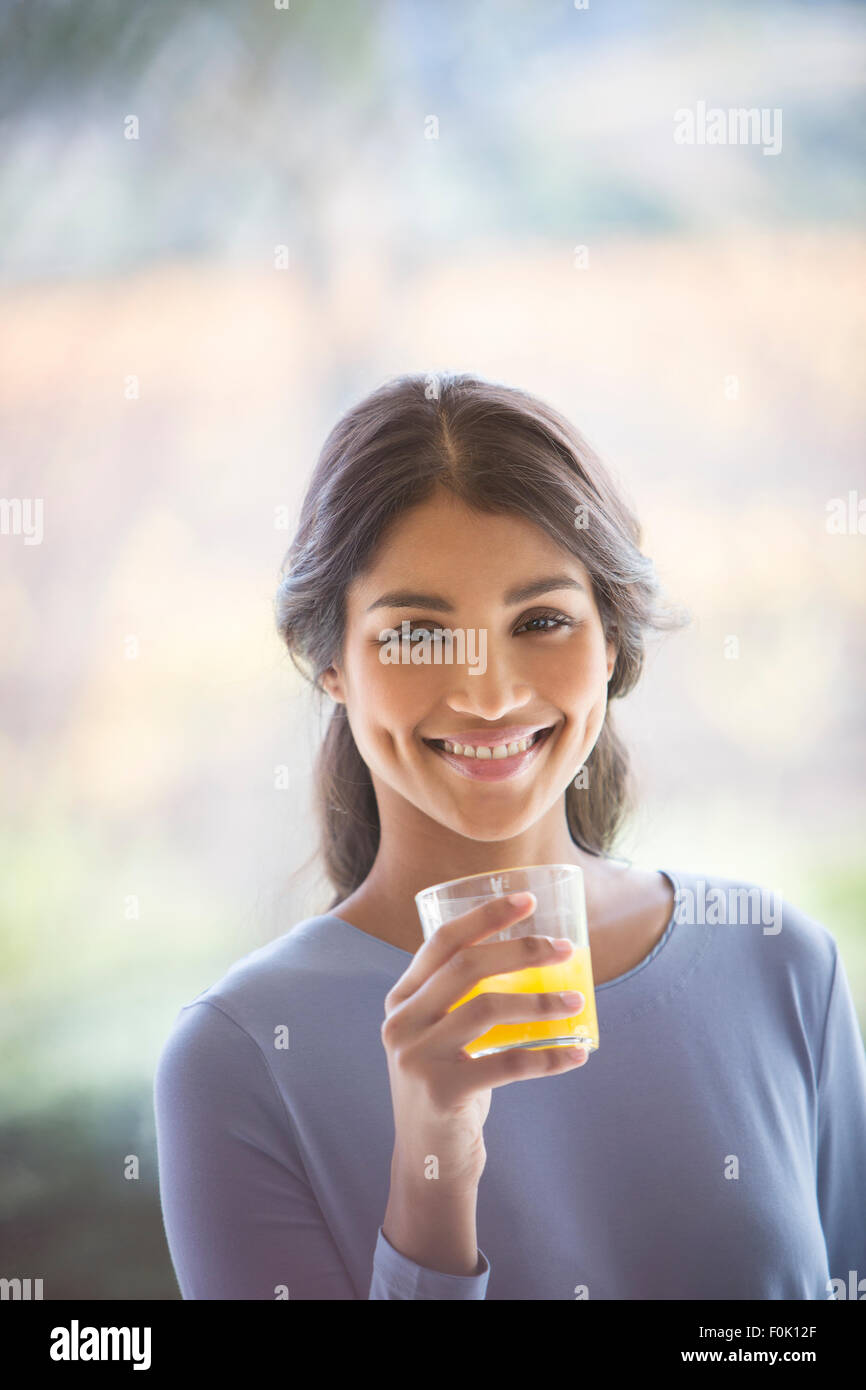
[(714, 1147)]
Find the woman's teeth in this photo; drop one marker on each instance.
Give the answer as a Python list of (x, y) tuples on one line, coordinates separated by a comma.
[(497, 750)]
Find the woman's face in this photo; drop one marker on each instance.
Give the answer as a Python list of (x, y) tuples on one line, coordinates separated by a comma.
[(531, 661)]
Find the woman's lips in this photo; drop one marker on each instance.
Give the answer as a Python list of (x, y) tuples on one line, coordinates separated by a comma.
[(493, 769)]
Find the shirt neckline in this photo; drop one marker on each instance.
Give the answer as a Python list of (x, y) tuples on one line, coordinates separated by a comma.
[(663, 940)]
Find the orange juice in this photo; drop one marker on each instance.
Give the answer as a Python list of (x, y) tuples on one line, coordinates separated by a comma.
[(582, 1028)]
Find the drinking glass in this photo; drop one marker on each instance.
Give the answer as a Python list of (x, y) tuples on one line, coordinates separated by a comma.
[(560, 911)]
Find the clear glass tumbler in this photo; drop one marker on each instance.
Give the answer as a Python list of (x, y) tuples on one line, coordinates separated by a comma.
[(560, 911)]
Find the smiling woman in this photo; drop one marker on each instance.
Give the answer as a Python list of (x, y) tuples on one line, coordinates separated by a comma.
[(691, 1159), (548, 668), (454, 477)]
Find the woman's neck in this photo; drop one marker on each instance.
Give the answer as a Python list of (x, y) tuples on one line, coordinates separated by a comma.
[(384, 904)]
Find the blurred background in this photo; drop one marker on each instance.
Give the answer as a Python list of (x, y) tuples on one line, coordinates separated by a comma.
[(221, 225)]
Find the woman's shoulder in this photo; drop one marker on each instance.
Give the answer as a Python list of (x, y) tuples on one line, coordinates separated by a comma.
[(756, 947), (220, 1070), (295, 980), (758, 916)]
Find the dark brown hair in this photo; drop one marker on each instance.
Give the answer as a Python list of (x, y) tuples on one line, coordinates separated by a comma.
[(498, 449)]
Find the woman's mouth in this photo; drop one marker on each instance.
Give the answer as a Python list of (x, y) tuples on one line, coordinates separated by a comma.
[(491, 764)]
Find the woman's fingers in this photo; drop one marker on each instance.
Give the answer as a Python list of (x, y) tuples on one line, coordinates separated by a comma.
[(517, 1064), (469, 927), (470, 964), (477, 1016)]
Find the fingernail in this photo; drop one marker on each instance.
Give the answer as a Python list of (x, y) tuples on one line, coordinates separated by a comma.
[(520, 899), (563, 944)]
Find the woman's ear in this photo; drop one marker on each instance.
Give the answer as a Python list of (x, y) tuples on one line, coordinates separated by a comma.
[(332, 683), (611, 659)]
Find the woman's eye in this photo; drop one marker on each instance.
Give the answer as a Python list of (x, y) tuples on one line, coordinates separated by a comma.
[(413, 627), (547, 622), (556, 620)]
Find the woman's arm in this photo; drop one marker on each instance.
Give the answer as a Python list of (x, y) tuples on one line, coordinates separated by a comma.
[(240, 1216), (429, 1224), (841, 1137)]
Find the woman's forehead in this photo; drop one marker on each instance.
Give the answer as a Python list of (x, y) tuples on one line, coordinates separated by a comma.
[(445, 527)]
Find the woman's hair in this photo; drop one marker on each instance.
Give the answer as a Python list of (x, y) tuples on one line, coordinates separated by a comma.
[(500, 450)]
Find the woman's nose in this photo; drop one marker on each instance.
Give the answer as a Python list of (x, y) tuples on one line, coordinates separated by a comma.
[(488, 689)]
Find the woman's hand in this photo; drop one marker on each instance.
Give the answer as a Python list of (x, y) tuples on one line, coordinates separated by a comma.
[(440, 1093)]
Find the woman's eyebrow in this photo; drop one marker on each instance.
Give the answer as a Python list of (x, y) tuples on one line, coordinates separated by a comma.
[(410, 598)]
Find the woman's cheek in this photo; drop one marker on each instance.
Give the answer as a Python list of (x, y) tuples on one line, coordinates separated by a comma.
[(392, 699)]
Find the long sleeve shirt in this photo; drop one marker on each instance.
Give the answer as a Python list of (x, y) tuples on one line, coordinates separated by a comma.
[(714, 1147)]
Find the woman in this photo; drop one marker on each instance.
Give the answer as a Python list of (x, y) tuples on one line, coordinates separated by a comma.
[(715, 1145)]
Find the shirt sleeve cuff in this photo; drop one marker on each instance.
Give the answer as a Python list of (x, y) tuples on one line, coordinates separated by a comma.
[(396, 1276)]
